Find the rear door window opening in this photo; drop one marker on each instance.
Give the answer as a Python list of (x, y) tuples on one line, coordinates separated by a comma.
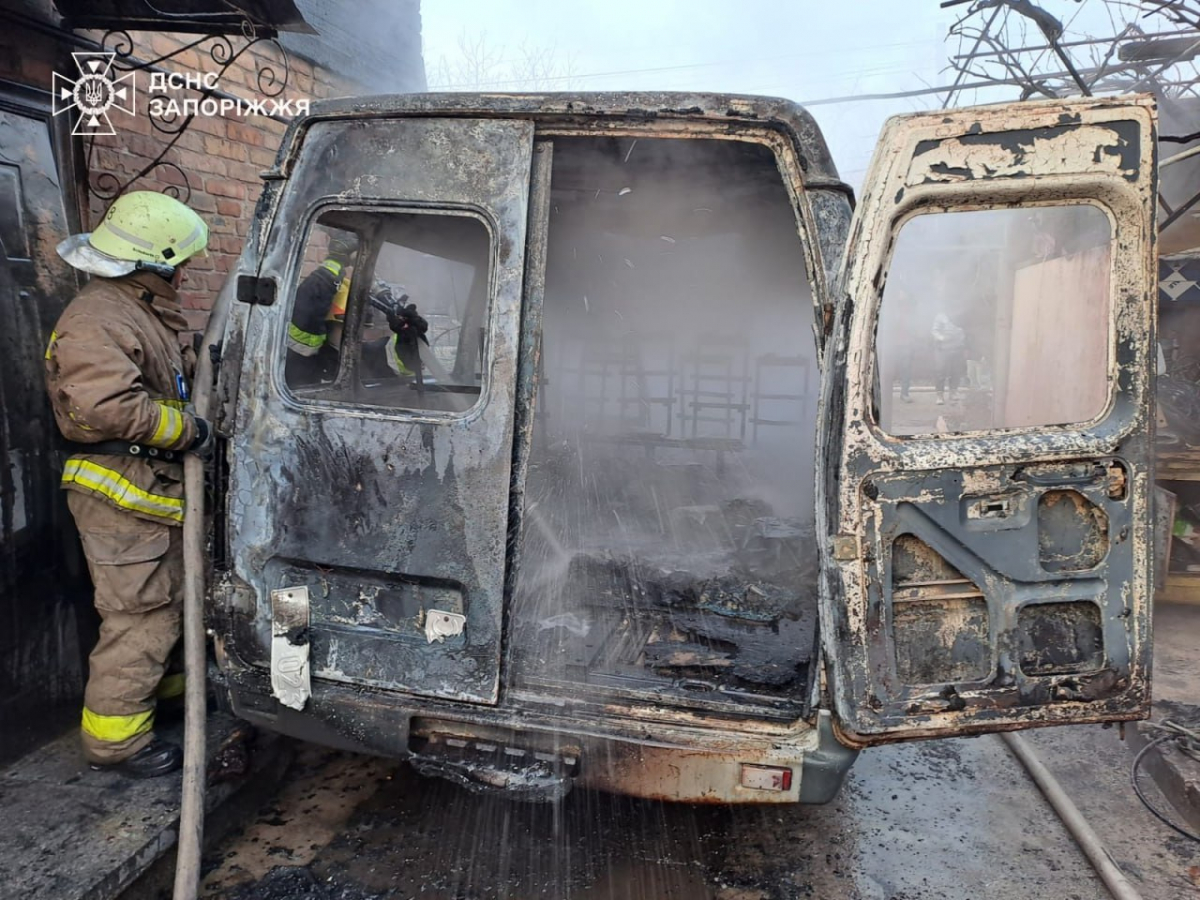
[(342, 351), (988, 309)]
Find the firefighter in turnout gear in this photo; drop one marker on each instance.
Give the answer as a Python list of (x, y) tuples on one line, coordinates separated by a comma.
[(119, 380), (314, 334)]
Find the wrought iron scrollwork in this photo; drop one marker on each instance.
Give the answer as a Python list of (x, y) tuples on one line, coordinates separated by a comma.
[(271, 78)]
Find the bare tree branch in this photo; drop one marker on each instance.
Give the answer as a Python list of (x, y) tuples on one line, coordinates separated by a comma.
[(1019, 43), (481, 65)]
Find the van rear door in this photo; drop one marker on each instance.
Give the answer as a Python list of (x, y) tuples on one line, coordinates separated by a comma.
[(368, 504), (984, 467)]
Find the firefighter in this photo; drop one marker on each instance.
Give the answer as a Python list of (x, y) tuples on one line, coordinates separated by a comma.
[(314, 334), (401, 352), (118, 380)]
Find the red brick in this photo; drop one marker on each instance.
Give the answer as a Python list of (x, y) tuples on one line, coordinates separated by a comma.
[(190, 61), (195, 289), (104, 159), (194, 161), (222, 187), (143, 145), (302, 80), (160, 43), (245, 172), (214, 125), (137, 124), (244, 133), (219, 146), (262, 158), (200, 201), (271, 126), (200, 263), (170, 175), (227, 207)]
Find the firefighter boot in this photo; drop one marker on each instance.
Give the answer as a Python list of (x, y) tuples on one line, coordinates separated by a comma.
[(157, 758)]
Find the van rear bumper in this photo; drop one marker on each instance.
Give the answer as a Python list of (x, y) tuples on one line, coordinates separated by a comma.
[(543, 757)]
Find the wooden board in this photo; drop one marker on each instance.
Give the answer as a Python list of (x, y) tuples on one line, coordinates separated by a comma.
[(1181, 587), (1164, 523), (1059, 344), (1182, 464)]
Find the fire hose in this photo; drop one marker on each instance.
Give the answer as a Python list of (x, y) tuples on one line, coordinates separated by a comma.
[(1086, 839), (195, 664)]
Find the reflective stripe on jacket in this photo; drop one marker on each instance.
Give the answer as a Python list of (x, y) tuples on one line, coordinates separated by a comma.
[(304, 342), (110, 484), (308, 330), (395, 363), (115, 370)]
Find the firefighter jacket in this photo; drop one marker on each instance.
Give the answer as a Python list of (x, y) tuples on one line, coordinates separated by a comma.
[(115, 370), (309, 328)]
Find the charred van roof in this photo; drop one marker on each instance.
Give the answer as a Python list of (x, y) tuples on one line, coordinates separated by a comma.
[(554, 109)]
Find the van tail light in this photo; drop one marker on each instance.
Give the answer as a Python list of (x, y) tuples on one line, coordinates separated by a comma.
[(766, 778)]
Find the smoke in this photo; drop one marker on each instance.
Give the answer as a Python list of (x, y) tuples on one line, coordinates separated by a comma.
[(676, 411)]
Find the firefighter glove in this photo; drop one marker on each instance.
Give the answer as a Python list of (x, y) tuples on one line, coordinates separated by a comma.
[(205, 441), (408, 324)]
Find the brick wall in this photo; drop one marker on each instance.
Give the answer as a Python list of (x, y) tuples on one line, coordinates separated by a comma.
[(221, 156), (45, 600)]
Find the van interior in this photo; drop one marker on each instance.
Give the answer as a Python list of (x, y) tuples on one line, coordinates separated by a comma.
[(668, 542)]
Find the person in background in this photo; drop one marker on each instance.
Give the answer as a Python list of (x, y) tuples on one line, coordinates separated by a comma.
[(119, 383), (314, 339), (949, 352)]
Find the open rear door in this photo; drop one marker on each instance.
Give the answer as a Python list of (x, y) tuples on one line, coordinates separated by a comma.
[(985, 451)]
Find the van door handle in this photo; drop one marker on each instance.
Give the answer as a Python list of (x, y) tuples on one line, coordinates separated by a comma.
[(1097, 474)]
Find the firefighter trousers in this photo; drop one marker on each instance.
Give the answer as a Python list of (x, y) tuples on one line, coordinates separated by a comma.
[(137, 569)]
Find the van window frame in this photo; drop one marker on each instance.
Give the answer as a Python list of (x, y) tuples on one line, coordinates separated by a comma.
[(820, 263), (354, 310), (873, 375)]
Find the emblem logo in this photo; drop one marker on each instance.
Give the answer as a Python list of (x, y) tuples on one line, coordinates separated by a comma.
[(94, 93)]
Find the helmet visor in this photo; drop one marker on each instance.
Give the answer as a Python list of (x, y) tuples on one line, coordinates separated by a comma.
[(78, 252)]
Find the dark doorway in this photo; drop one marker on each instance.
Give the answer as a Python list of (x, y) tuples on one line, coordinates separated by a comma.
[(46, 624)]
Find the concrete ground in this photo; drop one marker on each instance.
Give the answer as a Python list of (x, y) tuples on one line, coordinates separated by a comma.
[(1177, 652), (1176, 698), (955, 819), (74, 834)]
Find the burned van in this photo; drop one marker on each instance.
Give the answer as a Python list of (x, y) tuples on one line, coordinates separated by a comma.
[(698, 480)]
